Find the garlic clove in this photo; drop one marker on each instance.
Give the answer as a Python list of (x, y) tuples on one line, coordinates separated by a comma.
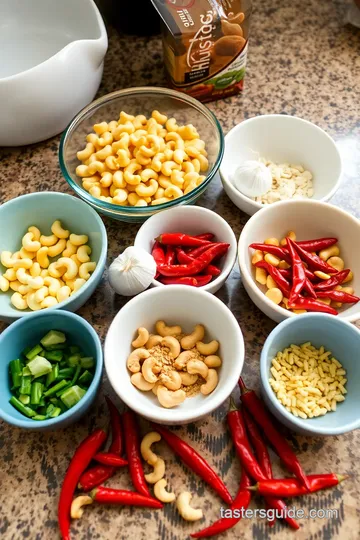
[(252, 178), (132, 272)]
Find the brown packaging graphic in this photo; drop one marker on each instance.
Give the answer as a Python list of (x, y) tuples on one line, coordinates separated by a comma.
[(205, 45)]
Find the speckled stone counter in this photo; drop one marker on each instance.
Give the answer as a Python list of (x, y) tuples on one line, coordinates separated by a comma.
[(303, 60)]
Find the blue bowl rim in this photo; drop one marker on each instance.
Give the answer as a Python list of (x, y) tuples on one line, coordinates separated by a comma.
[(264, 375), (100, 264), (27, 424)]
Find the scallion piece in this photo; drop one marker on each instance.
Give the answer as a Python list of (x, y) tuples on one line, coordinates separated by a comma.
[(50, 409), (36, 393), (60, 392), (39, 417), (72, 396), (56, 388), (54, 356), (66, 373), (86, 378), (39, 366), (87, 362), (16, 369), (74, 360), (76, 375), (52, 376), (55, 412), (26, 371), (30, 355), (25, 386), (26, 411), (74, 349), (52, 338), (25, 399)]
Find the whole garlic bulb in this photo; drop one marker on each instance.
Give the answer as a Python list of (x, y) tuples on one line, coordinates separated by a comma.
[(132, 271), (252, 178)]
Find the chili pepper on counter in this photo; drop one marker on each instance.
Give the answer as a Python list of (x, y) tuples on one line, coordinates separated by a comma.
[(179, 281), (316, 245), (339, 296), (132, 448), (185, 258), (195, 462), (257, 409), (107, 458), (106, 495), (196, 266), (312, 259), (81, 459), (241, 502), (278, 251), (180, 239), (312, 305), (335, 280), (169, 255), (203, 280), (277, 276), (298, 272), (290, 487)]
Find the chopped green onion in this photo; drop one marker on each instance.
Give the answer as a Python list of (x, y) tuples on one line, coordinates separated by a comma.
[(55, 388), (16, 368), (30, 355), (54, 356), (39, 366), (74, 349), (85, 378), (87, 362), (56, 412), (76, 374), (58, 347), (26, 371), (36, 393), (74, 360), (52, 376), (66, 373), (26, 350), (39, 417), (54, 337), (72, 396), (50, 409), (22, 408), (25, 399), (60, 392), (25, 386)]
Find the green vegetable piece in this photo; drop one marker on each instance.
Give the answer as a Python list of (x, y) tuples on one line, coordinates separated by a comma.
[(55, 388), (54, 356), (25, 386), (60, 392), (86, 378), (50, 409), (26, 371), (26, 350), (30, 355), (54, 337), (39, 417), (56, 412), (87, 362), (42, 401), (76, 374), (25, 400), (36, 393), (16, 368), (66, 373), (39, 366), (74, 349), (52, 376), (26, 411), (58, 347), (72, 396), (74, 360)]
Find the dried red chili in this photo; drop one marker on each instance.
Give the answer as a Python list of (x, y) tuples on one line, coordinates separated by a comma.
[(335, 280), (339, 296), (313, 260), (106, 495), (107, 458), (179, 281), (279, 279), (132, 448), (318, 244), (298, 272), (180, 239), (278, 251), (196, 266), (312, 305), (291, 487), (169, 255)]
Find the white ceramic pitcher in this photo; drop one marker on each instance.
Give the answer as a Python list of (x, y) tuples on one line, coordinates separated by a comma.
[(51, 64)]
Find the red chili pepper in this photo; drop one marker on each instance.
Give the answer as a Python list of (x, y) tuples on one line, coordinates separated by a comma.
[(309, 288), (158, 253), (107, 458), (335, 280), (196, 266), (279, 279), (170, 255), (213, 270), (185, 258), (81, 459), (205, 236), (339, 296), (195, 462), (203, 280), (132, 448), (312, 260), (286, 273), (290, 487), (318, 244), (179, 281), (278, 251), (95, 476), (312, 305), (298, 272), (180, 239), (106, 495), (241, 503), (258, 411), (199, 251)]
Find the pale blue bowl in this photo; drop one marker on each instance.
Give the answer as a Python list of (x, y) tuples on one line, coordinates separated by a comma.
[(42, 209), (29, 331), (343, 340)]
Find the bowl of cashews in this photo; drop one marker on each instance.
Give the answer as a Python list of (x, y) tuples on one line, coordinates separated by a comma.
[(174, 354), (52, 254), (135, 152)]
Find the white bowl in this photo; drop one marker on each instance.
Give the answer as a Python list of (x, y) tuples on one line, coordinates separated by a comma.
[(281, 138), (191, 220), (51, 66), (175, 304), (309, 220)]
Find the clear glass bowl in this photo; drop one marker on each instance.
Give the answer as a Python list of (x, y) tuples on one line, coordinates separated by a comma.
[(142, 100)]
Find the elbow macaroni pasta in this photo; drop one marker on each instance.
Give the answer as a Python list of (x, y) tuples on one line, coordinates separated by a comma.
[(136, 154)]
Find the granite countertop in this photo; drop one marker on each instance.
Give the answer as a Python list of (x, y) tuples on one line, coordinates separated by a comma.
[(303, 60)]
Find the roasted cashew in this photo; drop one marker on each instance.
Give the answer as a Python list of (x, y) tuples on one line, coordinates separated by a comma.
[(213, 361), (32, 303), (149, 190), (169, 399), (207, 349), (49, 301), (147, 370), (85, 269), (172, 344), (58, 230), (183, 359), (129, 176), (184, 508), (171, 380), (58, 248), (138, 380), (145, 447), (53, 284), (76, 506), (70, 265), (197, 366), (187, 379), (29, 243), (22, 263), (155, 388), (7, 259), (4, 284), (133, 361), (55, 270), (42, 257), (173, 192), (142, 339), (189, 341), (78, 239), (48, 241), (164, 330), (70, 249), (63, 293), (35, 232), (211, 382), (27, 254), (83, 253), (153, 341), (161, 493), (18, 301), (158, 472)]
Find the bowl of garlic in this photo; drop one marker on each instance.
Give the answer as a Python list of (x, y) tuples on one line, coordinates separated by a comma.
[(275, 157), (52, 254)]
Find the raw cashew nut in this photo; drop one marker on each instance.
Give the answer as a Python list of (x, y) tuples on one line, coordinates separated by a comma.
[(32, 303), (17, 287), (172, 344), (49, 301), (185, 510), (129, 176), (63, 293), (35, 270), (145, 447), (183, 359), (83, 253), (169, 399), (56, 270), (53, 284), (70, 265), (48, 240), (4, 284), (155, 388), (42, 257), (164, 330), (213, 361), (153, 341), (197, 366), (188, 342), (22, 276), (147, 370), (149, 190), (332, 251), (35, 282), (133, 361), (18, 301), (207, 349), (211, 382), (22, 263), (142, 339), (58, 248), (10, 274), (76, 510), (41, 294), (6, 259), (58, 230), (161, 493), (78, 283), (78, 239), (171, 380), (70, 249), (138, 380), (158, 472), (85, 269), (27, 254), (187, 379), (29, 243)]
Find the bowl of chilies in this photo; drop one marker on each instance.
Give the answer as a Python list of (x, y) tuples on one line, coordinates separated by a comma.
[(300, 256), (191, 246)]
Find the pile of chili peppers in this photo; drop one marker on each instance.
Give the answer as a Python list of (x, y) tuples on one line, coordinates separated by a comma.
[(187, 260), (298, 283)]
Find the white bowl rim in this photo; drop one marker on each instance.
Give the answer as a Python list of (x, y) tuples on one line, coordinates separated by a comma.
[(213, 402), (200, 210), (242, 248), (101, 262), (264, 375), (260, 117)]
